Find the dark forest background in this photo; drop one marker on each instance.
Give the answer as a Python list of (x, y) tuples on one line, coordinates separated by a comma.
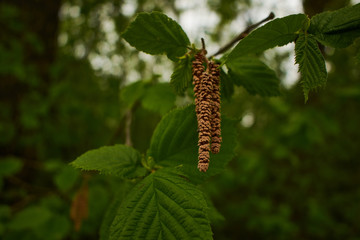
[(296, 173)]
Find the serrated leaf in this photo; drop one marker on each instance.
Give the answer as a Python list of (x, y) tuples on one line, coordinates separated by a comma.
[(311, 63), (278, 32), (156, 33), (182, 75), (227, 85), (339, 28), (118, 160), (175, 143), (120, 194), (254, 76), (159, 98), (162, 206)]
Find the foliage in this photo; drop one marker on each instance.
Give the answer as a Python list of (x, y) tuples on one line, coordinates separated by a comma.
[(285, 170), (311, 63), (155, 33), (254, 76), (278, 32), (164, 205), (337, 29)]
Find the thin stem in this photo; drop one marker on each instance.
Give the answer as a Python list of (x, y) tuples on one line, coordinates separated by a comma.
[(243, 35), (203, 43), (128, 120)]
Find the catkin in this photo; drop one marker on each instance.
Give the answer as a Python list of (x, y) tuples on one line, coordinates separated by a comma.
[(204, 124), (207, 102), (215, 108), (197, 70)]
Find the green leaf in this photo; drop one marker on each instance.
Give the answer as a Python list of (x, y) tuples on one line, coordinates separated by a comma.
[(66, 178), (311, 63), (339, 28), (156, 33), (10, 166), (57, 227), (159, 98), (132, 93), (278, 32), (120, 194), (227, 85), (162, 206), (175, 143), (182, 75), (254, 76), (119, 160), (29, 218)]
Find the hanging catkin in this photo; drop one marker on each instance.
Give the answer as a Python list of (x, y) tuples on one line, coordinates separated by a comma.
[(207, 101), (204, 124), (215, 108), (197, 70)]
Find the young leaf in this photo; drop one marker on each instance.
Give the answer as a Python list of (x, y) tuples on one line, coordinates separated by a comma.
[(175, 143), (159, 98), (182, 75), (254, 76), (339, 28), (162, 206), (156, 33), (119, 160), (311, 63), (278, 32)]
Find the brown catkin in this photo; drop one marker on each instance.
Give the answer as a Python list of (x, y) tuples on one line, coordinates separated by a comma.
[(215, 108), (204, 124), (207, 102), (197, 70)]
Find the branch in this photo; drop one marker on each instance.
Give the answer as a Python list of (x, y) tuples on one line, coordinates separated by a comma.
[(243, 34)]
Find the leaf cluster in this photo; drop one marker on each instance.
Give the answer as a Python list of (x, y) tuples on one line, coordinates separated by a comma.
[(165, 202), (337, 29)]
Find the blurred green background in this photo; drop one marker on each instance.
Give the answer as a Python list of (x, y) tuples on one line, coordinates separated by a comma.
[(63, 75)]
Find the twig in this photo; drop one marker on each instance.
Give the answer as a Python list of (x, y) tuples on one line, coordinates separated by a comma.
[(128, 119), (204, 52), (243, 35)]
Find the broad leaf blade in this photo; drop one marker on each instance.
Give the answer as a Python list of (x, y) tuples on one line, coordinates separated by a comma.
[(162, 206), (278, 32), (175, 143), (182, 75), (118, 160), (155, 33), (311, 63), (227, 85), (339, 28), (159, 98), (254, 76)]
